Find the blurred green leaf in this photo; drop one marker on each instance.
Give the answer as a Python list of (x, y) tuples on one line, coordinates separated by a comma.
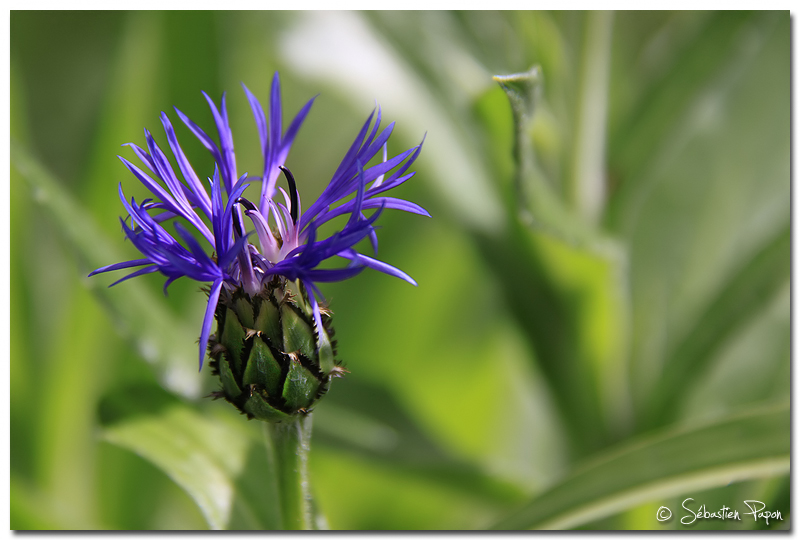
[(752, 445), (740, 300), (722, 52), (130, 101), (549, 306), (366, 421), (61, 372), (641, 133), (709, 193), (223, 468), (35, 509), (162, 340), (753, 366), (563, 279)]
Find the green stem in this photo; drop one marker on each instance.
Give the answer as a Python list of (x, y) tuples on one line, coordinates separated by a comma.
[(290, 444)]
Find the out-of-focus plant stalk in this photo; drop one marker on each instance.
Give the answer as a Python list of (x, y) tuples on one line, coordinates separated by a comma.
[(289, 443), (521, 90), (586, 188)]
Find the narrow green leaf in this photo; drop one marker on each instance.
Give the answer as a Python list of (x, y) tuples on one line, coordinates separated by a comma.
[(744, 447), (224, 469), (166, 343), (739, 301)]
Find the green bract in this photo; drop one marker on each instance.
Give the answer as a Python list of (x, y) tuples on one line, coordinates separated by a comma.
[(271, 360)]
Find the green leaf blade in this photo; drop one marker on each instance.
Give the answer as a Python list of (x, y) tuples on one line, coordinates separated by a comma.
[(753, 445), (222, 468), (741, 299)]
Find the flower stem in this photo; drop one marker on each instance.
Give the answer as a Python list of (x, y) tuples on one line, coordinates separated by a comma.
[(290, 444)]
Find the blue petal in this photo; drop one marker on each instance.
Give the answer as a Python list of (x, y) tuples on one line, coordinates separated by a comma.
[(226, 258), (258, 115), (143, 156), (339, 274), (213, 298), (152, 185), (380, 266), (201, 135), (119, 266), (359, 200), (194, 246), (140, 272), (378, 202), (311, 288), (228, 161), (275, 115), (186, 168), (294, 127)]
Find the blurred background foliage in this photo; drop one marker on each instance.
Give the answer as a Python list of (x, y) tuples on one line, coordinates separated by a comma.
[(602, 320)]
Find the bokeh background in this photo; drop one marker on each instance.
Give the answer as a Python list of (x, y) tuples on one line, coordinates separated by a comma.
[(598, 333)]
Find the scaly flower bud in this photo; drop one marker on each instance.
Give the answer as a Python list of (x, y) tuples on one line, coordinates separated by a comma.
[(272, 360)]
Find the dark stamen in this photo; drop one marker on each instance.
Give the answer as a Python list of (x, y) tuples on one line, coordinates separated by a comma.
[(292, 192), (237, 224), (247, 204)]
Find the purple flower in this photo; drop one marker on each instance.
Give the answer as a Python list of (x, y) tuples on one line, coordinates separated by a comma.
[(283, 240)]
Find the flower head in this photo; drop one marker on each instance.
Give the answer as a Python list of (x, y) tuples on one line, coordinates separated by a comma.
[(282, 241)]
